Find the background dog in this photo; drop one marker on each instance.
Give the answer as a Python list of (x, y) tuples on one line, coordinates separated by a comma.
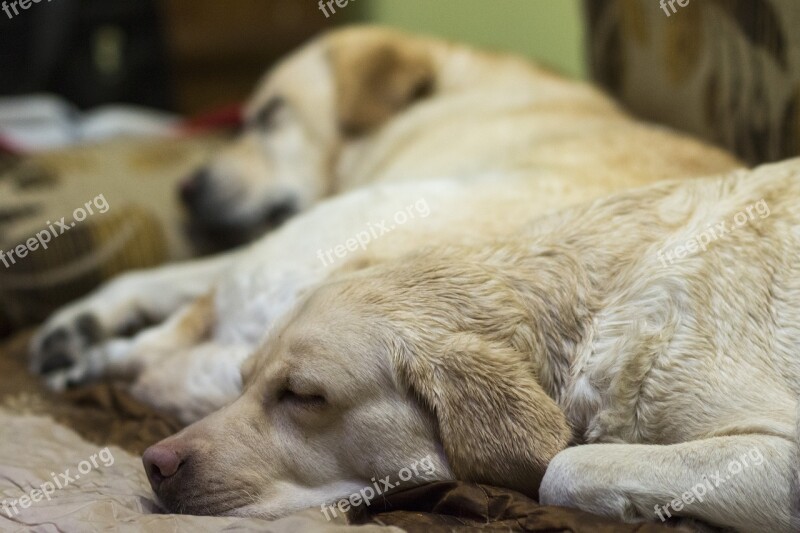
[(366, 105)]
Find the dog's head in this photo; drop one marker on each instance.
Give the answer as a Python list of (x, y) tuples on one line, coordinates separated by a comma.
[(376, 373), (339, 89)]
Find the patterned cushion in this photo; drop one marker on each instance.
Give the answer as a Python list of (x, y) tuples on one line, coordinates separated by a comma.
[(135, 220), (725, 70), (79, 260)]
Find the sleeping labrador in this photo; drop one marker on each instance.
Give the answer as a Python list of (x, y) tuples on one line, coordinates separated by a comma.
[(434, 142), (658, 330), (368, 104)]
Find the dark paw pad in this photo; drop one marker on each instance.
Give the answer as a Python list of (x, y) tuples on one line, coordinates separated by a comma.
[(55, 352), (89, 328), (56, 361), (55, 341), (74, 383)]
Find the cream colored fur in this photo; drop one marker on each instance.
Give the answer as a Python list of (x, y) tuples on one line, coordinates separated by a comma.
[(493, 358), (492, 144), (367, 105)]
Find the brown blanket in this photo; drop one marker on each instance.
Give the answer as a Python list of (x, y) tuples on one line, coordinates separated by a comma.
[(456, 507)]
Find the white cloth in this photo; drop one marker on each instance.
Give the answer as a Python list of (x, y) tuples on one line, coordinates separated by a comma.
[(44, 122)]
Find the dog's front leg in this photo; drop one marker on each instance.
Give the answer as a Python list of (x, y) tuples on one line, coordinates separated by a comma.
[(117, 310), (743, 482)]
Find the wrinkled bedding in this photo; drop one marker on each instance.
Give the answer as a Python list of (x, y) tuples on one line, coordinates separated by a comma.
[(44, 438), (113, 496)]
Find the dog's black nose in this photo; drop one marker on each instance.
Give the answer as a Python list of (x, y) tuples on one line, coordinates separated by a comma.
[(193, 187)]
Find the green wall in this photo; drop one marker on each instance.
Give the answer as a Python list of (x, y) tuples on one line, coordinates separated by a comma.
[(550, 31)]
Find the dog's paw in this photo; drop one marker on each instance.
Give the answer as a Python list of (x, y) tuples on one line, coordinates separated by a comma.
[(572, 480), (59, 347), (70, 348), (72, 371)]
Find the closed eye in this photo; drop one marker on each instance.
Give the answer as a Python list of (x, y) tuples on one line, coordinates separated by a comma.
[(264, 119), (288, 396)]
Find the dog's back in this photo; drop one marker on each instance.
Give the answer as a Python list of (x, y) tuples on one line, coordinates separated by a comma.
[(699, 284)]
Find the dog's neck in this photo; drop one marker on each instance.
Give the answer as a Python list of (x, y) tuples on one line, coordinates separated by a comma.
[(573, 270)]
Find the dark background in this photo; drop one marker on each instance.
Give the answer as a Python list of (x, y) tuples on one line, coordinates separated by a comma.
[(186, 56)]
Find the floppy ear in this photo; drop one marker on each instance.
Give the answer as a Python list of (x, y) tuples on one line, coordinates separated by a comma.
[(497, 424), (377, 75)]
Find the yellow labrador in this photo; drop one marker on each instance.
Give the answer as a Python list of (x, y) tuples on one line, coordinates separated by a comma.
[(658, 329), (366, 104), (435, 142)]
